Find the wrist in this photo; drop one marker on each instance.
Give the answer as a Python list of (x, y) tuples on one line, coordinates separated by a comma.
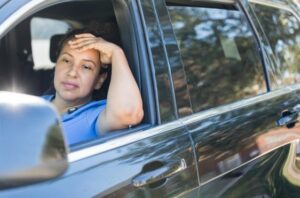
[(118, 51)]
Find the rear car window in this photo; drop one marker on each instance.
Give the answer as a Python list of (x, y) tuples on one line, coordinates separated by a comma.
[(42, 29), (219, 53), (282, 29)]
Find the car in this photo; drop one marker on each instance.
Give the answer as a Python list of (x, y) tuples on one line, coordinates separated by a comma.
[(220, 82)]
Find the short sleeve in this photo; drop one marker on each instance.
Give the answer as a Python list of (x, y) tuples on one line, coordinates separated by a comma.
[(94, 114), (81, 124)]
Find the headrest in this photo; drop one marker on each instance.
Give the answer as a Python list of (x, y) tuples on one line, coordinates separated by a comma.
[(54, 44)]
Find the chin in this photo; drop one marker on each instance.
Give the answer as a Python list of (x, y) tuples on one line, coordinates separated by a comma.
[(69, 96)]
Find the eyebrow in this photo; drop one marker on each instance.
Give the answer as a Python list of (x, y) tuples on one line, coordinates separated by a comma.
[(88, 60), (66, 54)]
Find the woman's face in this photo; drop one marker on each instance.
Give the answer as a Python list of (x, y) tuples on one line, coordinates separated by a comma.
[(77, 74)]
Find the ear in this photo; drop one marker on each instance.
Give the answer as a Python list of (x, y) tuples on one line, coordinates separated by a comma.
[(100, 81)]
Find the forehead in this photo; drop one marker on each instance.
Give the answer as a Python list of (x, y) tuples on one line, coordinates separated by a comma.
[(86, 55)]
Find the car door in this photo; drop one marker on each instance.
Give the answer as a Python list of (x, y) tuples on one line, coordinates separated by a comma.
[(152, 160), (244, 118), (157, 162)]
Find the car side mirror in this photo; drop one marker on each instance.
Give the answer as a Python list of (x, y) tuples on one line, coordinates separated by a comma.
[(32, 146)]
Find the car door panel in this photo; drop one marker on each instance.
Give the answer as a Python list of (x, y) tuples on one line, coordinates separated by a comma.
[(110, 173), (271, 175), (233, 136)]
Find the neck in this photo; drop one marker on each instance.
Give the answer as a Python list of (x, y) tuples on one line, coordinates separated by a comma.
[(64, 105)]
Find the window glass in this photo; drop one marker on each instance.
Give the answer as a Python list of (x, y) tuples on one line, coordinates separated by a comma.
[(42, 29), (282, 29), (219, 54)]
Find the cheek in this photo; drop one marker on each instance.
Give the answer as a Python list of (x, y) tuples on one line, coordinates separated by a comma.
[(60, 70), (57, 73), (89, 80), (56, 78)]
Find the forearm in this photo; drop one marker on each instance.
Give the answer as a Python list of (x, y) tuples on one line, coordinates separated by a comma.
[(124, 101)]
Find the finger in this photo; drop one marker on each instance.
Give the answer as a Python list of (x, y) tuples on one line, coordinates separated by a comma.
[(82, 44), (84, 39), (87, 46), (79, 40), (84, 35)]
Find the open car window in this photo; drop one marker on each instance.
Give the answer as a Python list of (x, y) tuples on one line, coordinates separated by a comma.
[(28, 58)]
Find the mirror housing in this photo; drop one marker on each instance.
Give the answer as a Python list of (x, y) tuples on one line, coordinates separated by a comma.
[(32, 146)]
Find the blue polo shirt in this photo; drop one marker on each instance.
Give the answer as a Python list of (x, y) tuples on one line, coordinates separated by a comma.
[(79, 124)]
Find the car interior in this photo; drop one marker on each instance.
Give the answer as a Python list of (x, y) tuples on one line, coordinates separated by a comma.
[(28, 50)]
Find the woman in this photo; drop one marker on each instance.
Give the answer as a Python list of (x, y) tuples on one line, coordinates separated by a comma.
[(78, 74)]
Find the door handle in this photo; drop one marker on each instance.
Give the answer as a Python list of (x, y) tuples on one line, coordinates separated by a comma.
[(288, 119), (160, 173)]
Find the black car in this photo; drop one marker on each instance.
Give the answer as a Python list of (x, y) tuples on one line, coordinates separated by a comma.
[(220, 82)]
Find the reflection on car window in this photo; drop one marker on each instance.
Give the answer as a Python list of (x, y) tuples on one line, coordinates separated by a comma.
[(219, 54), (283, 32), (41, 31)]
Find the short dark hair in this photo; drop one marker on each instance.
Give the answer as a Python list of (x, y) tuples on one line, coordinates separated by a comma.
[(107, 31)]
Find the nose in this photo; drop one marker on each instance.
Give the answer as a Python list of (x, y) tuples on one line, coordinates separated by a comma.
[(72, 71)]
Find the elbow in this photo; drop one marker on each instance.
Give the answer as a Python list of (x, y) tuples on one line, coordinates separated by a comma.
[(131, 115), (138, 116)]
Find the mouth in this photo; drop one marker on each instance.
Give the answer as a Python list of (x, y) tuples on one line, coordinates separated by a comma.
[(69, 85)]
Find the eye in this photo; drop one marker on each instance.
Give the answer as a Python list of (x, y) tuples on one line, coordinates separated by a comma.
[(65, 60), (87, 67)]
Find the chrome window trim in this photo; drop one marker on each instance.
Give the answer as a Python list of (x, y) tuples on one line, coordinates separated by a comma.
[(281, 6), (237, 105), (122, 141)]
